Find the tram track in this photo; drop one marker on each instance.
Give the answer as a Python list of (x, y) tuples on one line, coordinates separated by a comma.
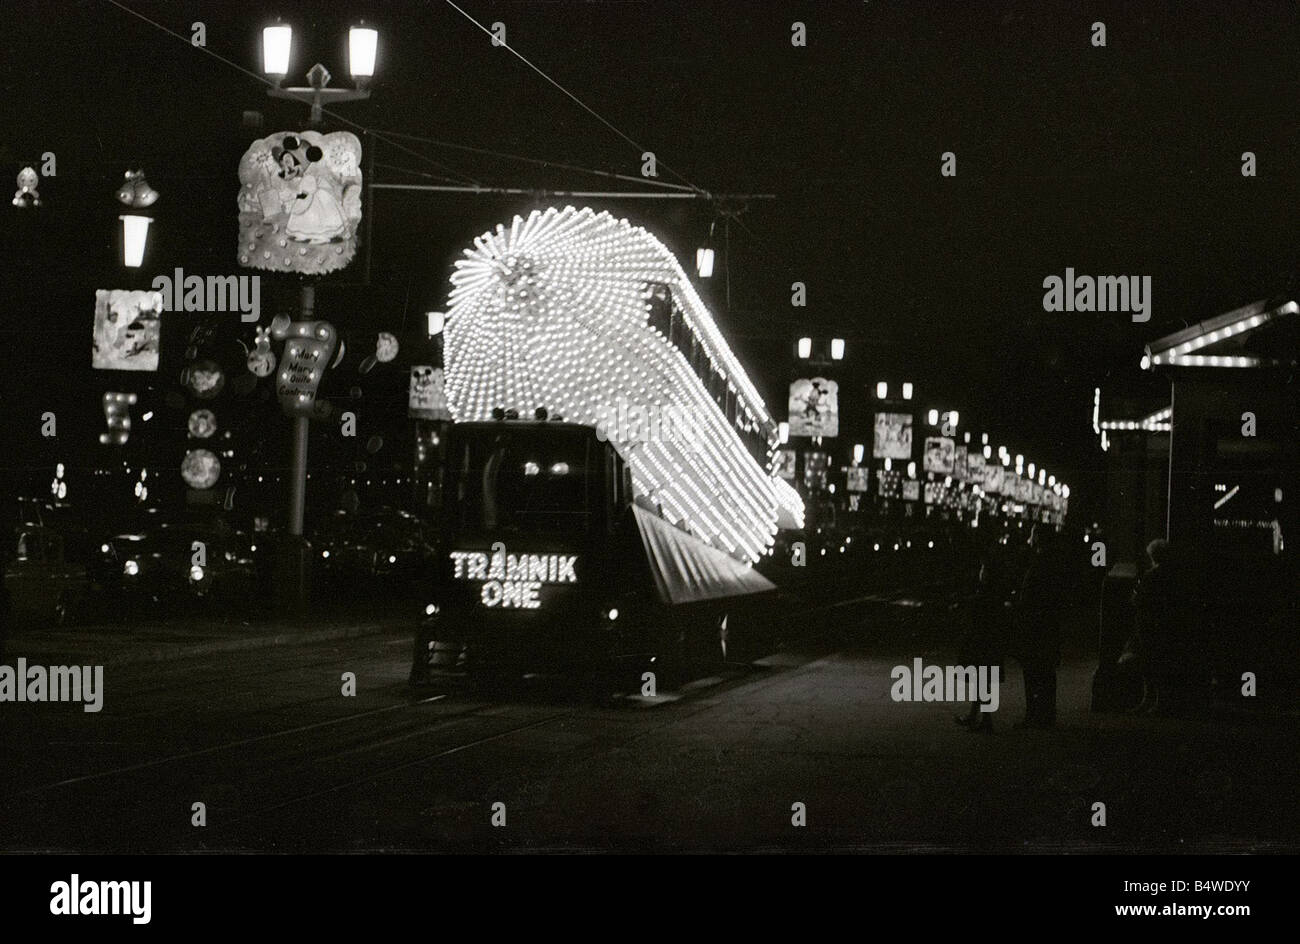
[(333, 756)]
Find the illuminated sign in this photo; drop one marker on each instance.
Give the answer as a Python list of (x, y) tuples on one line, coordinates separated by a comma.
[(939, 454), (814, 407), (893, 436), (308, 348), (513, 581)]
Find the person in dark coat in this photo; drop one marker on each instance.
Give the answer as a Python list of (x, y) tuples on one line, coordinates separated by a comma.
[(1037, 628), (988, 626), (1156, 629)]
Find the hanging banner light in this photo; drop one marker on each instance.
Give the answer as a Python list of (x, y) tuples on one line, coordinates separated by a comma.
[(26, 196)]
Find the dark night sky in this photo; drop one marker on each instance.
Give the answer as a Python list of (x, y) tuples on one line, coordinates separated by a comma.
[(1122, 160)]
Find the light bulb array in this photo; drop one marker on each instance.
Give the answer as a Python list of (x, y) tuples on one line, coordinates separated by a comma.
[(554, 311)]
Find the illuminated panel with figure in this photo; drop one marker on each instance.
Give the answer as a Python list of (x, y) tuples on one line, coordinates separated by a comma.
[(593, 318)]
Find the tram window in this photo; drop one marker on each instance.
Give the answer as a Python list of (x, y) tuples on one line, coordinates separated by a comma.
[(525, 480)]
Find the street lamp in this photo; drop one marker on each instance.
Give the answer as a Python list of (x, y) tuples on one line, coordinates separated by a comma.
[(907, 391), (363, 44), (135, 233), (837, 349), (311, 338), (932, 417), (276, 43), (436, 321), (805, 348), (858, 452), (783, 432), (882, 390), (704, 262), (135, 194), (1031, 470)]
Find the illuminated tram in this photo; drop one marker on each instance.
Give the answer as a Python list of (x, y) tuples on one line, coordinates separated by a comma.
[(608, 481)]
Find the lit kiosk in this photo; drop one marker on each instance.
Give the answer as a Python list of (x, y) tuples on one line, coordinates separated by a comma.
[(1231, 502), (605, 488)]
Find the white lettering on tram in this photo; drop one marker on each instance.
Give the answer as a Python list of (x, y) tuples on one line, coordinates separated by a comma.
[(513, 581)]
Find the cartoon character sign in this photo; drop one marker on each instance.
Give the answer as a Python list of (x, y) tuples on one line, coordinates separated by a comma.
[(893, 436), (784, 464), (814, 407), (127, 330), (939, 452), (300, 202), (426, 399)]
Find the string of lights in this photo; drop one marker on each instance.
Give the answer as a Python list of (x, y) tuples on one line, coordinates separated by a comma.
[(551, 312)]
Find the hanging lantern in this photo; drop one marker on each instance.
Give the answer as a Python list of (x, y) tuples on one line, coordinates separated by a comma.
[(202, 424), (135, 233), (200, 469), (27, 195), (205, 379)]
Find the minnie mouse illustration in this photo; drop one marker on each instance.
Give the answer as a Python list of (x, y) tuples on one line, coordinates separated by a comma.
[(315, 210)]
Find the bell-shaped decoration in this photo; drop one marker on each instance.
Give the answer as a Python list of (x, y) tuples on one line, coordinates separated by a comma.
[(145, 196), (135, 191)]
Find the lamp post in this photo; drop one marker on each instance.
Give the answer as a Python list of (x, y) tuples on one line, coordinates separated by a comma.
[(277, 43), (313, 340)]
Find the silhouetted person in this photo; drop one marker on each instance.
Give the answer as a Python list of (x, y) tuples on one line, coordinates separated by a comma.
[(1037, 628), (1156, 629), (988, 627)]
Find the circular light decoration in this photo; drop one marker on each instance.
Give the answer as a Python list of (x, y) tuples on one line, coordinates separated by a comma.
[(202, 424), (205, 379), (385, 347), (200, 469), (554, 311)]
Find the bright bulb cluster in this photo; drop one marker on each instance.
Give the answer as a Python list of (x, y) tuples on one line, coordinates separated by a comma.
[(553, 311)]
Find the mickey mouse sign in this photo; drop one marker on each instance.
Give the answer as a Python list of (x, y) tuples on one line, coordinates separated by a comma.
[(300, 202)]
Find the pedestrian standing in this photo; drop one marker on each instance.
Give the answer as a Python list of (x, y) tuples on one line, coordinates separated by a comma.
[(1037, 628), (987, 628)]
